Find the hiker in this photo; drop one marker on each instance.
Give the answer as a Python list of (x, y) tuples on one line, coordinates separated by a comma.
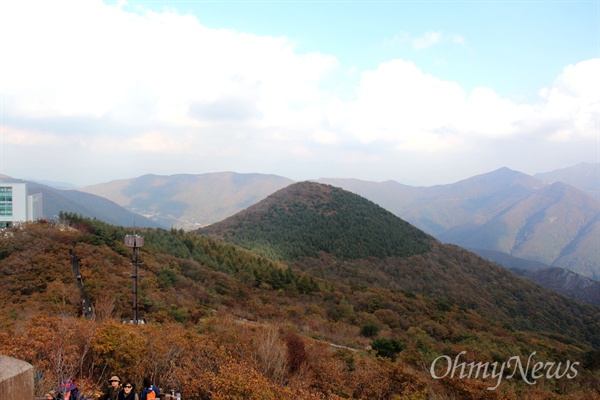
[(149, 391), (113, 389), (128, 391), (68, 391)]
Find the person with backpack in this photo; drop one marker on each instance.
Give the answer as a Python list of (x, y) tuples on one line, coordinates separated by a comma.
[(149, 392)]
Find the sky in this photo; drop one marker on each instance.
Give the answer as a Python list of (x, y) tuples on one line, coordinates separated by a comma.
[(423, 93)]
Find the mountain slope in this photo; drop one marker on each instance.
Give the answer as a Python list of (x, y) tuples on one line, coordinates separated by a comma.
[(504, 211), (227, 323), (540, 227), (189, 201), (559, 280), (451, 275), (508, 261), (438, 208), (585, 177), (307, 218), (568, 283), (55, 201)]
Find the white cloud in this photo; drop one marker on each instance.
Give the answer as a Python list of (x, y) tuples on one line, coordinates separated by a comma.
[(427, 40), (415, 112), (300, 150), (323, 136), (142, 65), (458, 39), (27, 137), (397, 103), (573, 102), (432, 38), (162, 84)]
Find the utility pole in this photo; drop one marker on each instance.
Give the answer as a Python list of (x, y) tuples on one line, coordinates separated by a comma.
[(135, 242)]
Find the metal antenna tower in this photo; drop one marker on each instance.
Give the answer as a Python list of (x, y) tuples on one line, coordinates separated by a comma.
[(134, 241)]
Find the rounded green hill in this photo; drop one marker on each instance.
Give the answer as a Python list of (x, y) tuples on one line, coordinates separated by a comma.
[(307, 218)]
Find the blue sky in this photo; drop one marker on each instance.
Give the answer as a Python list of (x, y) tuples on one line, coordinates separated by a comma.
[(516, 47), (419, 92)]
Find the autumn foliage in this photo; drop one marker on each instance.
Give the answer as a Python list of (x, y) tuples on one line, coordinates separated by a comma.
[(224, 323)]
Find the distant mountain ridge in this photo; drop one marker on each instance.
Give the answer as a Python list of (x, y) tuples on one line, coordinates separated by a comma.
[(584, 176), (438, 208), (566, 282), (540, 227), (560, 280), (189, 201), (87, 205), (504, 210)]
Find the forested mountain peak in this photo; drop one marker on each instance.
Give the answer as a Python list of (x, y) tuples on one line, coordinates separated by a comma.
[(308, 218), (331, 233)]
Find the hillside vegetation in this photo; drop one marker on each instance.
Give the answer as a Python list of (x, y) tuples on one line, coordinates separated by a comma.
[(352, 240), (226, 323), (307, 218)]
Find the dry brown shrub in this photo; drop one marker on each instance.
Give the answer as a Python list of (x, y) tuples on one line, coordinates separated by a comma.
[(297, 356), (270, 354), (104, 307)]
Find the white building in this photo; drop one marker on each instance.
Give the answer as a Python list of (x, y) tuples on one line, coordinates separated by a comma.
[(16, 206)]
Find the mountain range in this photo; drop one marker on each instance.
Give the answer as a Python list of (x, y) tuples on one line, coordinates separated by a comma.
[(513, 219), (547, 221), (504, 211), (584, 176), (313, 292)]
